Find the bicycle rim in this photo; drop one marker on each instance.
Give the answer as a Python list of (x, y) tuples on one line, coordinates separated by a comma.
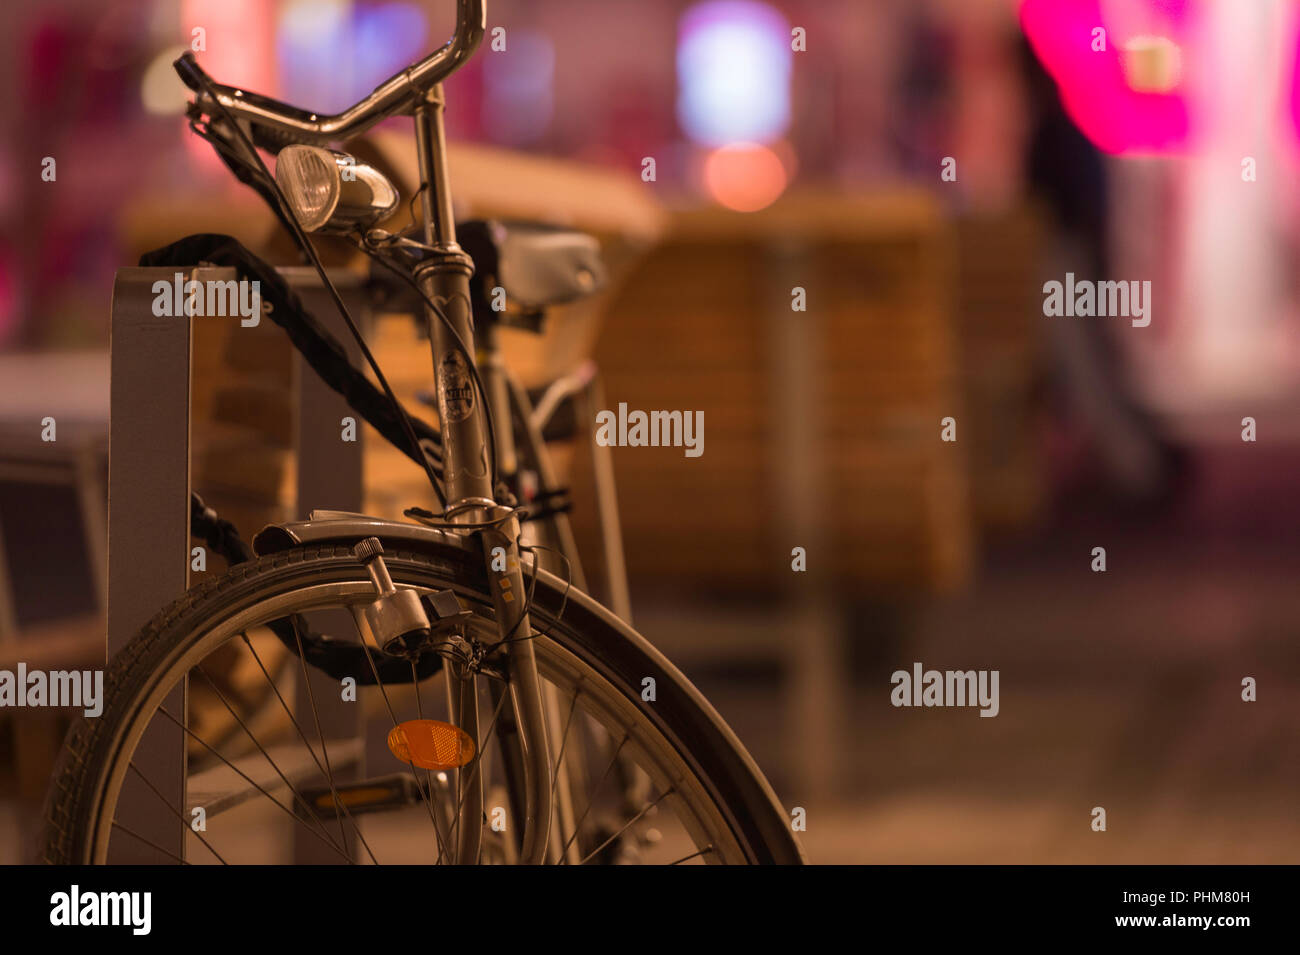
[(674, 781)]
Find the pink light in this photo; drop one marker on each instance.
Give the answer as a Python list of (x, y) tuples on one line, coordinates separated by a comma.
[(240, 50), (745, 177), (8, 296), (1293, 100), (239, 36), (1095, 90)]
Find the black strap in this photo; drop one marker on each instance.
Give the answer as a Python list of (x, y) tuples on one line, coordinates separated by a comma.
[(336, 657), (320, 348), (221, 536)]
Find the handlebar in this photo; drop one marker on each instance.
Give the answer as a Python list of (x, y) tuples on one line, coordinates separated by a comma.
[(283, 124)]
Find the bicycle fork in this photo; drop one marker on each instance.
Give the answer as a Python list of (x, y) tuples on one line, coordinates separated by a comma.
[(467, 473)]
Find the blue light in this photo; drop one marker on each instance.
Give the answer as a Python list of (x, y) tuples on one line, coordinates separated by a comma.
[(333, 52), (313, 48), (518, 94), (389, 38), (733, 72)]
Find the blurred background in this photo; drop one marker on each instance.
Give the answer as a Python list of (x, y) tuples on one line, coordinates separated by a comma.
[(920, 168)]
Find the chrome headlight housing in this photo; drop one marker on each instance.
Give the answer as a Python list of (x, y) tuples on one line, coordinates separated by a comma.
[(331, 191)]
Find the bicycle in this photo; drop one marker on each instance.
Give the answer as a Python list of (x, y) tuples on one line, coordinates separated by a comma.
[(463, 593)]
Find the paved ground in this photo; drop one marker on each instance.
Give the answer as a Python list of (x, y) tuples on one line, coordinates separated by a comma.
[(1120, 690)]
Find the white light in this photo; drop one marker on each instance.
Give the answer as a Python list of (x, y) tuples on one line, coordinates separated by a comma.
[(314, 21), (161, 90), (733, 71)]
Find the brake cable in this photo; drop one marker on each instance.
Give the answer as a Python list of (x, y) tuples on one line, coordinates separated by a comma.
[(300, 236)]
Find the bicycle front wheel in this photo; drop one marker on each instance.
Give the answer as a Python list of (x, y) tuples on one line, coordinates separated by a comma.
[(642, 776)]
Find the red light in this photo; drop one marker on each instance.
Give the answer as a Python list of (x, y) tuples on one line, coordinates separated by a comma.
[(745, 177)]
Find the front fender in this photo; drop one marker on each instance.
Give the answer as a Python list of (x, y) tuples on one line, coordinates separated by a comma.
[(593, 633), (345, 527)]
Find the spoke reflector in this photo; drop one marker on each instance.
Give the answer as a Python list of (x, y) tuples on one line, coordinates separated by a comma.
[(431, 744)]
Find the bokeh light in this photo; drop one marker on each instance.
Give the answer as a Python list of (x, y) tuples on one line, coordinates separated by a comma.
[(745, 177), (1126, 97), (314, 46), (161, 90), (733, 72), (8, 296), (518, 89)]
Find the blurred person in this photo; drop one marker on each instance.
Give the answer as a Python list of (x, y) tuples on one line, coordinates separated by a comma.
[(1139, 463)]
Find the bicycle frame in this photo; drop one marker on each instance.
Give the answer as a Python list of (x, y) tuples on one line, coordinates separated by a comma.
[(444, 278)]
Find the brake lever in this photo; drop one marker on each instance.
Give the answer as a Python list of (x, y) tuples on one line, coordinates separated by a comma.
[(218, 128)]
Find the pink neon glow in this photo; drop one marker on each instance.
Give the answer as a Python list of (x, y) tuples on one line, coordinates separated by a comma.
[(238, 36), (1094, 91), (8, 296), (1293, 100)]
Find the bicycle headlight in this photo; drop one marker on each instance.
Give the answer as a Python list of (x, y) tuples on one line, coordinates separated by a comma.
[(331, 191)]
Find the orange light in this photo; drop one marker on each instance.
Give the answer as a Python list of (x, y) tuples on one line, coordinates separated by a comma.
[(430, 744), (1152, 64), (745, 177)]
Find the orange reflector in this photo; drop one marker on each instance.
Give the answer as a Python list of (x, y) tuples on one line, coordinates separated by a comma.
[(431, 744)]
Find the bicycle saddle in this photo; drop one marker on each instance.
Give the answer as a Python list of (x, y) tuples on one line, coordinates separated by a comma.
[(538, 265)]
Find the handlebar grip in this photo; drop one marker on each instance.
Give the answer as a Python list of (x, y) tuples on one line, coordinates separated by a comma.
[(191, 74)]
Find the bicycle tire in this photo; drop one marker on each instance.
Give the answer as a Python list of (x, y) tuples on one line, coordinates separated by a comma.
[(601, 641)]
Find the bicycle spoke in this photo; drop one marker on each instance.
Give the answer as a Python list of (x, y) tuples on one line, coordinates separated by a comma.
[(338, 803), (179, 815), (473, 763), (591, 798), (427, 797), (462, 786), (428, 774), (324, 749), (564, 741), (627, 825), (152, 845), (261, 749), (705, 851), (285, 809)]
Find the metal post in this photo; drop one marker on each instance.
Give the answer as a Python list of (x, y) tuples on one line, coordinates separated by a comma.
[(815, 655), (329, 477), (149, 534), (148, 526)]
